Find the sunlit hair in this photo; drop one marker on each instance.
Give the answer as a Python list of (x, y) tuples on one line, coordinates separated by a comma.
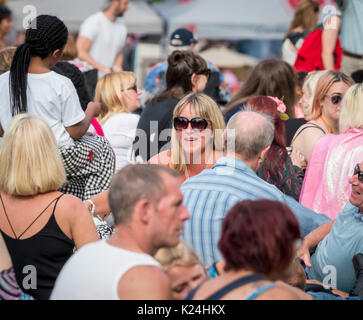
[(270, 77), (109, 92), (201, 106), (324, 84), (181, 255), (259, 236), (309, 85), (70, 51), (6, 57), (304, 16), (30, 162), (351, 113)]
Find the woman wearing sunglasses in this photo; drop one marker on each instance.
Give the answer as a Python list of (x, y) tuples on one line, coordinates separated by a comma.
[(119, 98), (324, 116), (196, 138), (187, 72), (326, 186)]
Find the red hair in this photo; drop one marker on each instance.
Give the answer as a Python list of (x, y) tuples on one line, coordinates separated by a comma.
[(259, 235), (276, 155)]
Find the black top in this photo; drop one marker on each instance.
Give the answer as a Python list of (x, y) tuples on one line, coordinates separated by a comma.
[(46, 252), (291, 126), (162, 115)]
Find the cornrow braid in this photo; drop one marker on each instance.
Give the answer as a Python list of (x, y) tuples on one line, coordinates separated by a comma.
[(45, 35)]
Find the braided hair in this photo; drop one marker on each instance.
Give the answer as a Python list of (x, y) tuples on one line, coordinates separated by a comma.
[(45, 35)]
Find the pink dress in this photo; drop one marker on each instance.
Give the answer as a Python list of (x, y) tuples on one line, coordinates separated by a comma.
[(326, 188)]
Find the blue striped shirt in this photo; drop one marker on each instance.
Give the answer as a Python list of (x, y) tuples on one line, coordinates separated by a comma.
[(209, 195)]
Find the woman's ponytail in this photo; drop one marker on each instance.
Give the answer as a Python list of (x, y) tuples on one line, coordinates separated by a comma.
[(18, 79)]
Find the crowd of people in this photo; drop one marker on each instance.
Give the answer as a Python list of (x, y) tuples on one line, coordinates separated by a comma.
[(194, 195)]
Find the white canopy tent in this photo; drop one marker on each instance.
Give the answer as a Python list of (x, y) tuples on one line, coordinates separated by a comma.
[(140, 18), (230, 19)]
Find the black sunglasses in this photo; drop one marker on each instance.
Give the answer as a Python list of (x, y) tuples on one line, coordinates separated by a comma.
[(335, 99), (181, 123), (134, 87), (358, 172)]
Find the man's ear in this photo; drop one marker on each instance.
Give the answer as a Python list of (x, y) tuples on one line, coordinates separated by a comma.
[(144, 210), (262, 155)]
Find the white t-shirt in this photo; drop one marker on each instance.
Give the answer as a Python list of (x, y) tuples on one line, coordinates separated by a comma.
[(94, 271), (120, 131), (107, 37), (50, 96)]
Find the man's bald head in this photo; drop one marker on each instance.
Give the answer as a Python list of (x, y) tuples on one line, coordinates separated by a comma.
[(253, 131)]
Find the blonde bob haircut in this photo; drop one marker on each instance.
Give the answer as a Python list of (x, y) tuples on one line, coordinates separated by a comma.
[(351, 113), (179, 256), (324, 84), (30, 162), (202, 106), (109, 92)]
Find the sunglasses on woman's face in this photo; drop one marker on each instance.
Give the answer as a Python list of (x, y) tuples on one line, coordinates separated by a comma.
[(335, 99), (181, 123), (358, 172), (134, 87)]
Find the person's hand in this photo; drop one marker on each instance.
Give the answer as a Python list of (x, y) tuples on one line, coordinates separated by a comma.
[(95, 107), (116, 69), (297, 158), (304, 254), (105, 70)]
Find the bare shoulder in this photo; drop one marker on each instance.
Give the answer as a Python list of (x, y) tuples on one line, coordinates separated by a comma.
[(70, 202), (144, 282), (160, 158), (283, 291)]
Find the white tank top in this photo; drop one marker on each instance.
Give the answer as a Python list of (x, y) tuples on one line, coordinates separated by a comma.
[(94, 271)]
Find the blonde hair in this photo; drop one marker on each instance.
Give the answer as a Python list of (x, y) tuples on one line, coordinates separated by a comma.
[(6, 58), (351, 113), (109, 91), (70, 50), (202, 106), (310, 84), (181, 255), (30, 162)]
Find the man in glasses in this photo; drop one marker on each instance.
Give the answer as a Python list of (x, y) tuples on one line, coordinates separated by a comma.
[(337, 242)]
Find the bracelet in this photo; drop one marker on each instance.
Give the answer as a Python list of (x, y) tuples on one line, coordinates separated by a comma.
[(93, 207)]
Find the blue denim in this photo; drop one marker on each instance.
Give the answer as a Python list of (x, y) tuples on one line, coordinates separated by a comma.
[(329, 296)]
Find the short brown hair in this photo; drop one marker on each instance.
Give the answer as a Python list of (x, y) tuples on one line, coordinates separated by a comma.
[(133, 183), (6, 58), (259, 235)]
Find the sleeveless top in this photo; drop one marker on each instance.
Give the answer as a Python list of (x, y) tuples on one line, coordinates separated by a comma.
[(94, 272), (234, 285), (38, 259)]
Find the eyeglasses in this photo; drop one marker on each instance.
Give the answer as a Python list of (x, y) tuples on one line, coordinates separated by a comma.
[(335, 99), (358, 172), (181, 123), (134, 87)]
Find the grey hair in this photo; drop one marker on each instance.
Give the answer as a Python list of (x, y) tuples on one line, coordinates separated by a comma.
[(253, 131), (133, 183)]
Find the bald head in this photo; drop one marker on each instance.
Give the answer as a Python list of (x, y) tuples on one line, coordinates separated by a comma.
[(253, 131)]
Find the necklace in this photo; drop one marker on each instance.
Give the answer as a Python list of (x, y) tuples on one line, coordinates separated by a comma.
[(326, 124)]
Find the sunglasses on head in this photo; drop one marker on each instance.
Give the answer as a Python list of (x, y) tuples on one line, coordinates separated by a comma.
[(358, 172), (181, 123), (335, 99)]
